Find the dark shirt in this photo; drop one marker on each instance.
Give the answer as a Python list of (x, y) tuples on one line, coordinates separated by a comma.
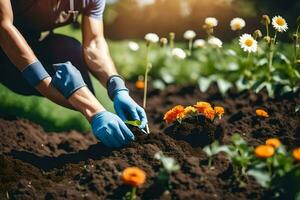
[(43, 15)]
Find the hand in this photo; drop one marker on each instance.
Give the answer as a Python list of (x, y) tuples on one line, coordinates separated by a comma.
[(111, 130), (128, 109)]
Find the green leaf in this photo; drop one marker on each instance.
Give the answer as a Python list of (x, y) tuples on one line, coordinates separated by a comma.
[(261, 177), (297, 108), (223, 85), (135, 123), (204, 83)]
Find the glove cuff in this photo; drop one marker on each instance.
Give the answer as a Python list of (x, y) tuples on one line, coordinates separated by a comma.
[(115, 84), (35, 73), (67, 79)]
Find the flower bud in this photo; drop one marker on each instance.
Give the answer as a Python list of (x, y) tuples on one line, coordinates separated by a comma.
[(265, 19), (163, 42), (298, 62), (267, 39), (257, 34), (172, 35)]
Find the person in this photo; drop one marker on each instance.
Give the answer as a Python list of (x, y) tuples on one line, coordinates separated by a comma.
[(36, 61)]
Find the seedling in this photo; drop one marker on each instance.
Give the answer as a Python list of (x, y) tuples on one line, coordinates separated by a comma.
[(214, 149), (169, 166)]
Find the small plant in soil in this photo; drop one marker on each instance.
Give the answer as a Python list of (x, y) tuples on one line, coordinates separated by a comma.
[(240, 155), (135, 177), (169, 166), (212, 150)]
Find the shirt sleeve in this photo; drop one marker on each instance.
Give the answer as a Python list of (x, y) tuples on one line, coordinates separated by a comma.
[(95, 9)]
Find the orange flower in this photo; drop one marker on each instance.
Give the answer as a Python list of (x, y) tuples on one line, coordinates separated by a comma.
[(274, 142), (261, 113), (133, 176), (296, 154), (219, 111), (201, 105), (264, 151), (209, 113), (175, 113), (139, 84), (189, 109)]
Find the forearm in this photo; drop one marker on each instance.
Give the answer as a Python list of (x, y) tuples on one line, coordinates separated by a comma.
[(19, 52), (98, 59), (85, 102)]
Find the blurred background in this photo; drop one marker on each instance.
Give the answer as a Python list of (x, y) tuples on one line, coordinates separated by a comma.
[(134, 18), (130, 20)]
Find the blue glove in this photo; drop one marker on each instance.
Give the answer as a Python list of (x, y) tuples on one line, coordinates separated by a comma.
[(125, 106), (128, 109), (111, 130), (67, 79)]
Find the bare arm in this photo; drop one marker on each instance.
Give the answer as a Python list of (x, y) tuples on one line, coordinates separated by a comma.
[(20, 53), (96, 51)]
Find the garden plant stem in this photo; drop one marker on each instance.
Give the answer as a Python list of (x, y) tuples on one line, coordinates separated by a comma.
[(133, 193), (271, 54), (146, 76), (296, 45), (190, 47)]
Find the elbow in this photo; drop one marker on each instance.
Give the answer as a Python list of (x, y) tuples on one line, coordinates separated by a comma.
[(5, 26)]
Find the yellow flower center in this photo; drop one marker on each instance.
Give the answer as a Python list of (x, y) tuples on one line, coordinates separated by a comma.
[(249, 42), (280, 21), (237, 26)]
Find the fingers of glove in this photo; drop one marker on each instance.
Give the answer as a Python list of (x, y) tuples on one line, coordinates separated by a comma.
[(118, 135), (126, 131), (105, 141), (120, 113), (112, 140), (133, 114), (143, 117)]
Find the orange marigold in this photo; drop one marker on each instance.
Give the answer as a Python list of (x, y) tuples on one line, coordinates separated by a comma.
[(296, 154), (139, 84), (274, 142), (201, 106), (175, 113), (133, 176), (209, 113), (264, 151), (219, 111), (189, 109), (261, 113)]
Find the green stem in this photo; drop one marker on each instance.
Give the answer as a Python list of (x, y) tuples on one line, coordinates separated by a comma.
[(209, 162), (296, 45), (146, 77), (133, 193), (271, 55), (190, 47), (267, 28)]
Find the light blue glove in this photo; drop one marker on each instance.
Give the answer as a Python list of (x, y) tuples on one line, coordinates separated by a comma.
[(111, 130), (128, 109), (125, 106), (67, 79)]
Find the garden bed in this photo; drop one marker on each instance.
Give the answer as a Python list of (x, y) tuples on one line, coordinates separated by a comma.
[(36, 165)]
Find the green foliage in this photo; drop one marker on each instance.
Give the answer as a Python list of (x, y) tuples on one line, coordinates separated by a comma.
[(169, 165), (214, 149), (135, 123)]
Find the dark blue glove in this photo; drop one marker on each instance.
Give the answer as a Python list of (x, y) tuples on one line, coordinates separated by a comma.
[(125, 106), (111, 130), (67, 79)]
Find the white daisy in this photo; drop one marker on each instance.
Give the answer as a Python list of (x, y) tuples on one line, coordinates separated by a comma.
[(133, 46), (211, 22), (215, 42), (248, 43), (199, 43), (237, 24), (179, 53), (279, 23), (152, 38), (189, 35)]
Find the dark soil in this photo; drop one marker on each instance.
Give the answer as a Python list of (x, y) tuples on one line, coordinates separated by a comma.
[(39, 165)]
